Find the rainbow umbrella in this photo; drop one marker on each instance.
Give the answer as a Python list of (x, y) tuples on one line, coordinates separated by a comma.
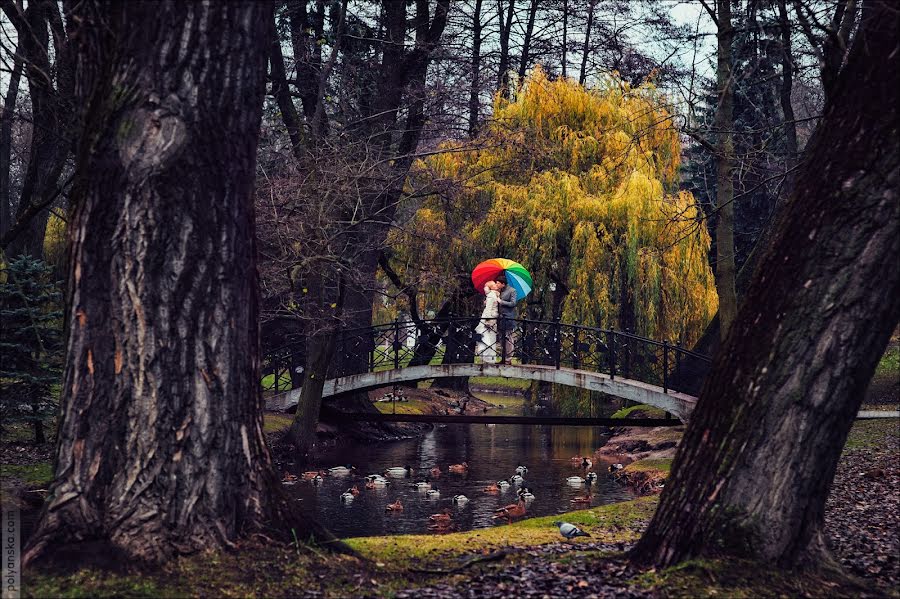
[(516, 275)]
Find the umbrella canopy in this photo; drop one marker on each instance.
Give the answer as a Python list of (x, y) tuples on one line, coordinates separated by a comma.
[(516, 275)]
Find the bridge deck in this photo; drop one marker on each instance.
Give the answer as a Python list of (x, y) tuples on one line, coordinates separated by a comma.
[(526, 420)]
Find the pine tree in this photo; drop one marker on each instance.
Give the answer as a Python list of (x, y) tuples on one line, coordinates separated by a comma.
[(30, 342)]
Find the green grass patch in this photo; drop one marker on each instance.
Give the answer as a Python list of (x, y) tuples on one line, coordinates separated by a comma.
[(609, 523), (889, 365), (31, 474), (663, 465), (499, 382), (273, 423), (284, 383), (873, 434), (413, 406), (648, 412)]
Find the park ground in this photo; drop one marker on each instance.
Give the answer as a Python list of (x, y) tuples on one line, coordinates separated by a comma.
[(526, 558)]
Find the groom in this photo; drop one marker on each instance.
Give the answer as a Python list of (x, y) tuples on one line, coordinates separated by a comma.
[(507, 317)]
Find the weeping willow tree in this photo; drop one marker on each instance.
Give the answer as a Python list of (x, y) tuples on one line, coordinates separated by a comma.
[(581, 186)]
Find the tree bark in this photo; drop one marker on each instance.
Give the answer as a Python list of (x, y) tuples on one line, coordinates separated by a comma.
[(759, 455), (319, 353), (526, 42), (565, 35), (505, 29), (282, 94), (6, 124), (476, 71), (586, 49), (787, 107), (724, 122), (160, 447)]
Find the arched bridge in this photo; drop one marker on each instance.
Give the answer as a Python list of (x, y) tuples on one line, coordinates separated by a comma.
[(652, 372)]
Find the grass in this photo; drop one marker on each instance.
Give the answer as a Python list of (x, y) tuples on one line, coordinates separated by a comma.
[(273, 423), (499, 382), (610, 523), (284, 383), (889, 365), (413, 406), (872, 434), (663, 465), (649, 412), (40, 474)]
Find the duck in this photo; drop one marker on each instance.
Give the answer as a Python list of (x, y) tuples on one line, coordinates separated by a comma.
[(341, 470), (581, 499), (347, 497), (442, 527), (460, 499), (432, 493), (459, 468), (516, 479), (615, 467), (354, 490), (586, 463), (289, 478), (570, 531), (444, 516), (398, 471), (575, 480), (317, 479), (523, 470), (509, 512), (370, 485), (576, 459), (591, 477), (422, 485), (503, 484), (312, 474), (435, 472), (526, 494), (394, 507), (376, 481), (493, 489)]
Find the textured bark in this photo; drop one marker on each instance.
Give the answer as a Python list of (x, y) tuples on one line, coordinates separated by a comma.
[(526, 42), (282, 95), (586, 49), (759, 455), (724, 122), (6, 123), (160, 447), (505, 29), (476, 71), (786, 91), (319, 353)]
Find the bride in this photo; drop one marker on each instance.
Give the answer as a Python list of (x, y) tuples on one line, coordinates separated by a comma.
[(487, 328)]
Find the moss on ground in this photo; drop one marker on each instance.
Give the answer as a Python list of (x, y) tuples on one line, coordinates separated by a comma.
[(40, 474), (646, 412), (499, 382), (889, 365), (607, 523), (662, 466), (873, 434), (274, 423), (412, 406)]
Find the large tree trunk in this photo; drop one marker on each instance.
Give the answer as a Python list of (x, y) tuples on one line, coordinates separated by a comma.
[(160, 447), (760, 452), (526, 42), (505, 29), (6, 123), (725, 265)]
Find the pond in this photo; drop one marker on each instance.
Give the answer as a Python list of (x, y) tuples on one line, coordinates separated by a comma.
[(492, 452)]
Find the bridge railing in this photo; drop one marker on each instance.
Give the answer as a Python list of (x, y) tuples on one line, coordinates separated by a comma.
[(534, 342)]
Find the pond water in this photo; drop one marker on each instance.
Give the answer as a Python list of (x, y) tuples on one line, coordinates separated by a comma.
[(492, 453)]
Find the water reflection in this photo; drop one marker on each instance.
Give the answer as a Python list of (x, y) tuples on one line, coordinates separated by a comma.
[(492, 453)]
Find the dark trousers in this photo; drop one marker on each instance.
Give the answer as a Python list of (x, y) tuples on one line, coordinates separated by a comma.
[(507, 327)]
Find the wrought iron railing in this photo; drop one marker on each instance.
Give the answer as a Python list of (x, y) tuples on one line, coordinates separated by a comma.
[(532, 342)]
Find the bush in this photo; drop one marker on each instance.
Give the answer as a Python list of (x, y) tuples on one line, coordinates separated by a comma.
[(30, 341)]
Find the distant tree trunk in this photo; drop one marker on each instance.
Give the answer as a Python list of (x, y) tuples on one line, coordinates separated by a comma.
[(319, 353), (724, 122), (505, 29), (760, 452), (526, 42), (476, 71), (565, 35), (6, 124), (787, 108), (160, 447), (586, 49), (282, 94)]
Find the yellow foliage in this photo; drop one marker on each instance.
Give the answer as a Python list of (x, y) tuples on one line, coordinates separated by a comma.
[(580, 186)]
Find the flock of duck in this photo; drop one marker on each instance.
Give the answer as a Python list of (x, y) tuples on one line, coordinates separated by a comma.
[(443, 521)]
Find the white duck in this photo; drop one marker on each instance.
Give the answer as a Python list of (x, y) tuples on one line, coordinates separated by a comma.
[(398, 471), (523, 470), (432, 493), (341, 470), (516, 479), (503, 484), (591, 478), (460, 499), (422, 485), (346, 497), (575, 480)]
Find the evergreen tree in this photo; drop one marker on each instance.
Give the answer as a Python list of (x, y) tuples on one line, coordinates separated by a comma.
[(30, 342)]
